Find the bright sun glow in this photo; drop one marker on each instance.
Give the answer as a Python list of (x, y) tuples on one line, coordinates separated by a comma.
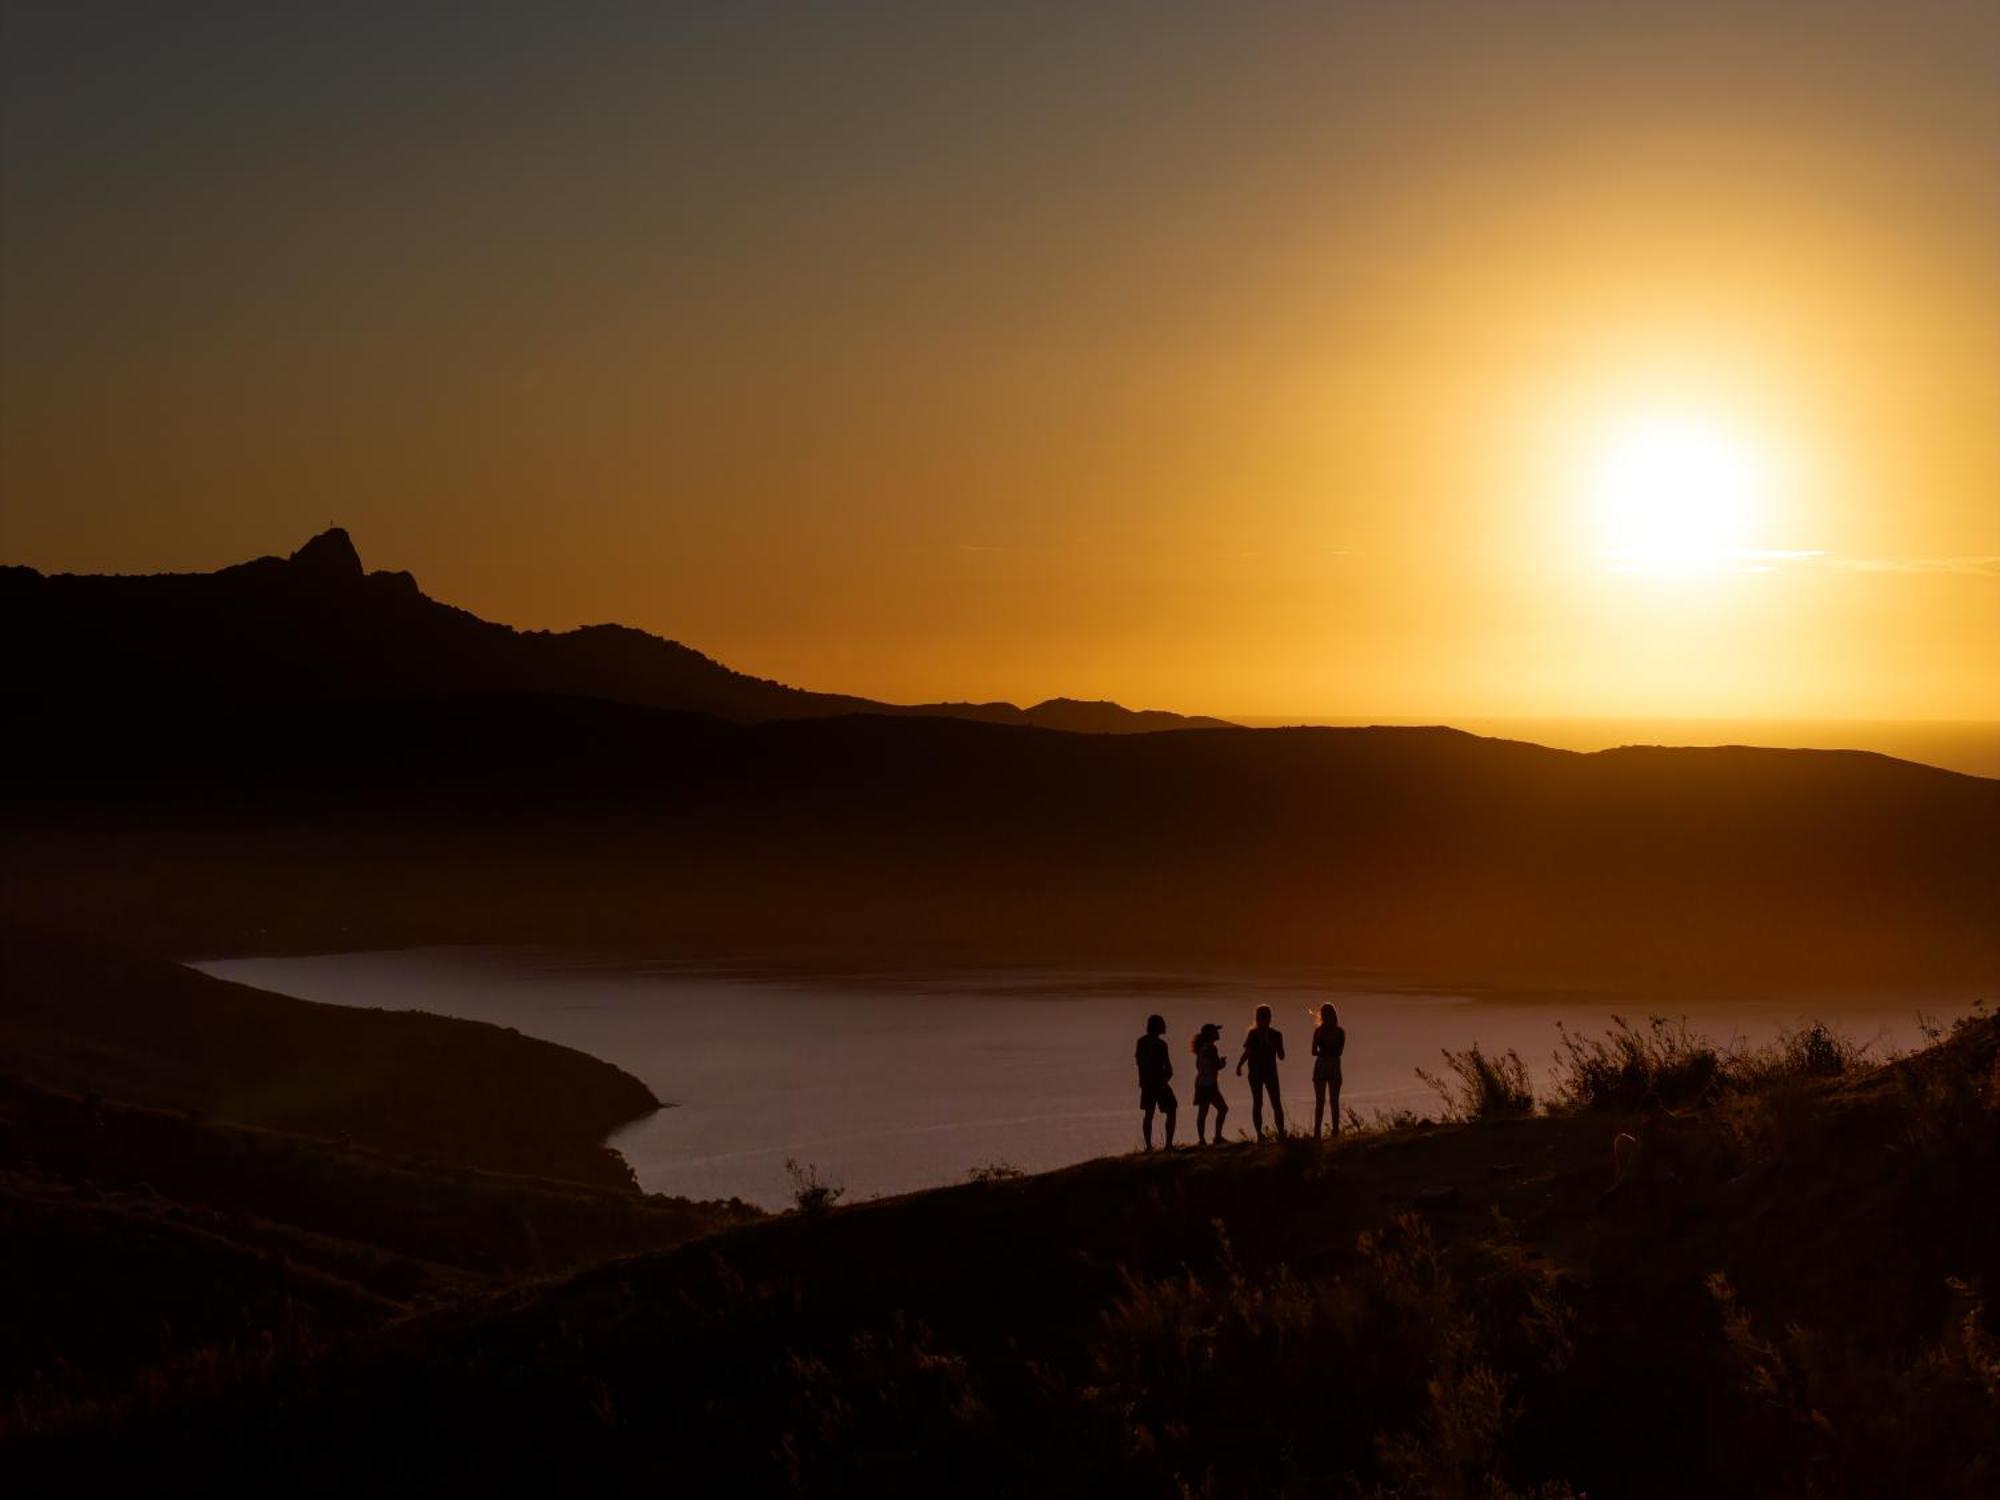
[(1674, 495)]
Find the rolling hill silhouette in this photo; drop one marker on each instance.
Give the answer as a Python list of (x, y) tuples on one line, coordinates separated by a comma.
[(519, 818), (317, 626)]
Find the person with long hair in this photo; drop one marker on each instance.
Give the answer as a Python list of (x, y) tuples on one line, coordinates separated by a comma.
[(1329, 1042), (1208, 1061)]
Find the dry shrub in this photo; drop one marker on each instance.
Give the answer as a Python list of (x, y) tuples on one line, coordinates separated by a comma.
[(1836, 1420), (1379, 1120), (1626, 1067), (1482, 1087), (1402, 1369), (812, 1194), (1814, 1051), (887, 1411)]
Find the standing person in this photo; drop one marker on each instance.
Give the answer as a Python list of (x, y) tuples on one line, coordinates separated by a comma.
[(1155, 1068), (1208, 1061), (1329, 1041), (1263, 1050)]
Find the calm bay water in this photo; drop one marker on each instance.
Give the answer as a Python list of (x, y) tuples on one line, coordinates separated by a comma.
[(894, 1082)]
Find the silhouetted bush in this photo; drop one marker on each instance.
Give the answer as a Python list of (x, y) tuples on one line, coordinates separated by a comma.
[(1625, 1067), (1407, 1361), (886, 1412), (1838, 1417), (1379, 1120), (1482, 1087), (1815, 1050), (811, 1193)]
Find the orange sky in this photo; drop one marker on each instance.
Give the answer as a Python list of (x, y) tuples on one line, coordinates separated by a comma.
[(1243, 359)]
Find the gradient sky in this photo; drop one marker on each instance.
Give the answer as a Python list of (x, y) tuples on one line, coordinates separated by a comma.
[(1240, 358)]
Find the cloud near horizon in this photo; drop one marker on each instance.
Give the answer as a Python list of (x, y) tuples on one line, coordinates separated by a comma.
[(1978, 566)]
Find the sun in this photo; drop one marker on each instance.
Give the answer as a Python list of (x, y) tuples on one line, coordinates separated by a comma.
[(1676, 494)]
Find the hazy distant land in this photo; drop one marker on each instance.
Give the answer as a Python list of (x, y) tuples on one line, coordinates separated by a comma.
[(1969, 745)]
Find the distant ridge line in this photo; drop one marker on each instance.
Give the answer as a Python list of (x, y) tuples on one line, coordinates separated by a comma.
[(316, 625)]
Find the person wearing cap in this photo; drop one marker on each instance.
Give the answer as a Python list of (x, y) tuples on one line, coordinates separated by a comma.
[(1155, 1068), (1208, 1061)]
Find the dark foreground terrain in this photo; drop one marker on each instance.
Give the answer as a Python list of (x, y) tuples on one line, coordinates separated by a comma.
[(1776, 1283), (198, 1179)]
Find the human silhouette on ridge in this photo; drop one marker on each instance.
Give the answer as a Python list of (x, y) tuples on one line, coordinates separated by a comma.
[(1208, 1063), (1155, 1068), (1263, 1050), (1329, 1042)]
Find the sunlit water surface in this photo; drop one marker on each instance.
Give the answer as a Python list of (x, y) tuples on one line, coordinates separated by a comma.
[(888, 1083)]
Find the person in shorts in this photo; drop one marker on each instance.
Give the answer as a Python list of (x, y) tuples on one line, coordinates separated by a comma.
[(1263, 1050), (1155, 1069), (1208, 1061)]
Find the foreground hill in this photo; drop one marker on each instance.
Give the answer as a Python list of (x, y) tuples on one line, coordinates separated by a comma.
[(315, 627), (89, 1019), (1765, 1280), (513, 818), (196, 1176)]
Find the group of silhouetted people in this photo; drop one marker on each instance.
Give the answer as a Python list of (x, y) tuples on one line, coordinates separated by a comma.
[(1263, 1050)]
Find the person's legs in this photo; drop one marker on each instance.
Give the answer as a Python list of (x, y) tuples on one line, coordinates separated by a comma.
[(1221, 1114), (1277, 1108), (1146, 1124), (1170, 1111), (1200, 1123), (1257, 1107), (1319, 1106), (1333, 1106)]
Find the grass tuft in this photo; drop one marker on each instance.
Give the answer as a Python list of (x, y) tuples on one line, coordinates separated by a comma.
[(1481, 1087), (1627, 1067), (812, 1194)]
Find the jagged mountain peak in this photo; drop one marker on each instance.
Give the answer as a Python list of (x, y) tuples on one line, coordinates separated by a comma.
[(331, 554), (317, 625)]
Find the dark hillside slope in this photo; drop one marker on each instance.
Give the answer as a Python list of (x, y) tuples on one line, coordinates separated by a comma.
[(514, 818), (151, 1250), (162, 1246), (1784, 1297), (316, 627), (85, 1019)]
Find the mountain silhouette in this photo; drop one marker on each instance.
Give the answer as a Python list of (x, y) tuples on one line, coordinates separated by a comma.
[(512, 818), (298, 752), (317, 626)]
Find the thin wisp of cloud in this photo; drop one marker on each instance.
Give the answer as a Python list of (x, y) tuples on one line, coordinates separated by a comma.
[(1987, 566)]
